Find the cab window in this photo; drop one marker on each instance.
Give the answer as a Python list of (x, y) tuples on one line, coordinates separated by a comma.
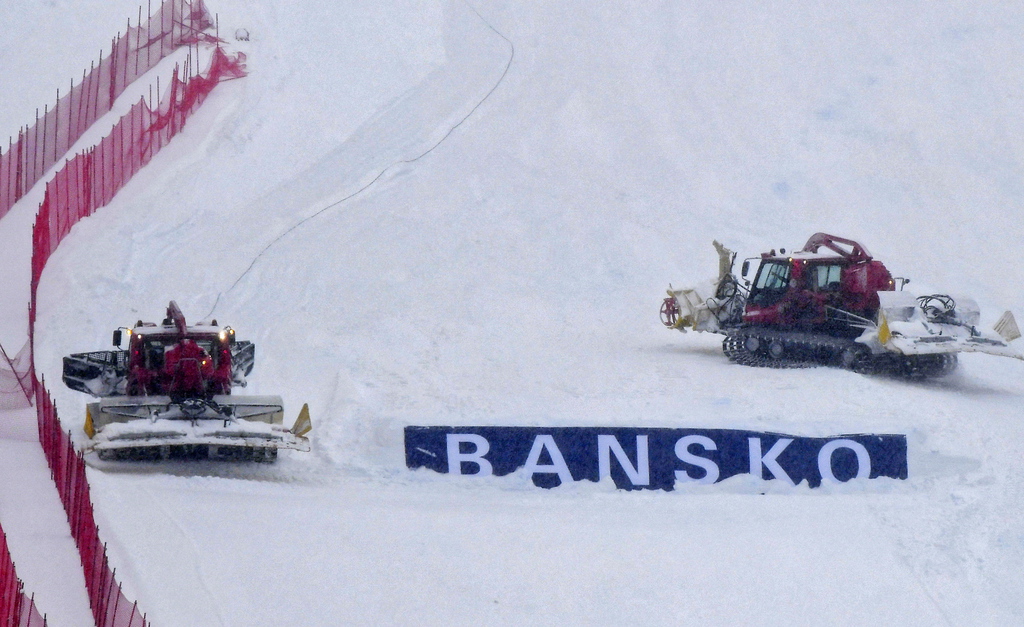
[(154, 353), (826, 278), (773, 276), (771, 283)]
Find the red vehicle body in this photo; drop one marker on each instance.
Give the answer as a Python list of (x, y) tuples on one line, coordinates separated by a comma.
[(799, 289), (177, 360)]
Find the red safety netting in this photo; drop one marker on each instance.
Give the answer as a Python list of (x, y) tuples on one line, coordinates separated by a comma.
[(110, 607), (91, 179), (84, 184), (16, 608), (40, 145)]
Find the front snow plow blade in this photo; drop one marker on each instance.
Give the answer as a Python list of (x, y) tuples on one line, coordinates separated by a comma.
[(951, 341), (938, 324), (222, 427)]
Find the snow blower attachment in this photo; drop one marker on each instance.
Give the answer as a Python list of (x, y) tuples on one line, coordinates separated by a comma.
[(168, 396), (831, 303)]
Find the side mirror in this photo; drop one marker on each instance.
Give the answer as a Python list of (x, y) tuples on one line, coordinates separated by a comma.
[(117, 338), (746, 268)]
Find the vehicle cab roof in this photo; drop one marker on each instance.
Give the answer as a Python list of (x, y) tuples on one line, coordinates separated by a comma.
[(193, 330)]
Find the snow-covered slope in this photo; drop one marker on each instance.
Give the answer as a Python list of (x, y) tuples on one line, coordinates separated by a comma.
[(447, 213)]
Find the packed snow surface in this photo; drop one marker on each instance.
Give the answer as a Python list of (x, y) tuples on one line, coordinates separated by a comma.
[(457, 213)]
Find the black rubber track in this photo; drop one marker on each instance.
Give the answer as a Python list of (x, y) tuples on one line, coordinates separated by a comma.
[(765, 348)]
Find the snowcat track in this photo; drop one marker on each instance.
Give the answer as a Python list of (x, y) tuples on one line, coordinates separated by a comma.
[(764, 348), (908, 366), (782, 349)]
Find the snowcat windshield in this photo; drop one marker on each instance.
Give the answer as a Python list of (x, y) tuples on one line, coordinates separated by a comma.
[(771, 283), (157, 347)]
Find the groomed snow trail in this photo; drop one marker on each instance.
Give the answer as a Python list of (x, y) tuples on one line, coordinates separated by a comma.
[(512, 276)]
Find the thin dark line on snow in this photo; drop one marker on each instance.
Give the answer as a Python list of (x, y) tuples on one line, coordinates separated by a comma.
[(508, 64)]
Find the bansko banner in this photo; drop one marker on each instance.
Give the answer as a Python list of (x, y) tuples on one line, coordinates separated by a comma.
[(652, 458)]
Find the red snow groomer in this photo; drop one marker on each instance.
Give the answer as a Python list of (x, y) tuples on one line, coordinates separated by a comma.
[(168, 395), (831, 303)]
